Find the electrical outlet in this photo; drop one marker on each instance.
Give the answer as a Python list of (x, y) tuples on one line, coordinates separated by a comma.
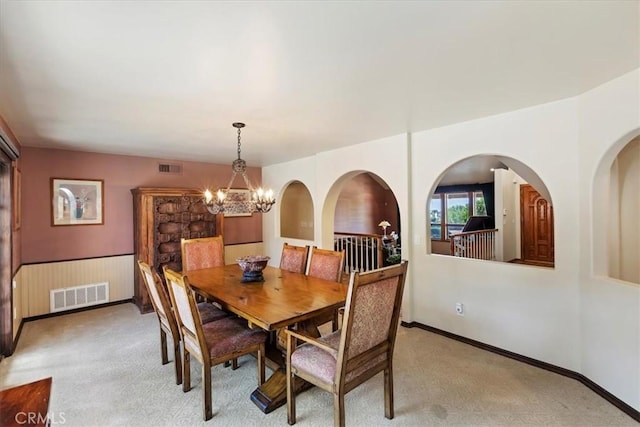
[(459, 309)]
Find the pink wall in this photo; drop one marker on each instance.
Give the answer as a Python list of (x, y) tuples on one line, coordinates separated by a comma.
[(42, 242)]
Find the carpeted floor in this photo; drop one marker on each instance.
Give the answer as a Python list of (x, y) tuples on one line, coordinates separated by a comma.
[(106, 371)]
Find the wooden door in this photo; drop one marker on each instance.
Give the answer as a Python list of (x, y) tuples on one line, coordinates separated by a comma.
[(537, 227)]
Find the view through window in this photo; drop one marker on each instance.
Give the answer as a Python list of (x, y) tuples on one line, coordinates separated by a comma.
[(449, 212)]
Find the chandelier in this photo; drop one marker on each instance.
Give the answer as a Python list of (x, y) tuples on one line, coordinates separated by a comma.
[(259, 200)]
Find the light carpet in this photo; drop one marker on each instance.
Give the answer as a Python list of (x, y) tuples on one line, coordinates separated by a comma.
[(106, 371)]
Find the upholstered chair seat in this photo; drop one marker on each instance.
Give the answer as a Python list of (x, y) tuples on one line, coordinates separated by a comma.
[(210, 313)]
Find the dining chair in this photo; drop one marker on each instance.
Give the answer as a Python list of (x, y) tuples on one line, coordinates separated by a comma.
[(202, 252), (294, 258), (328, 265), (210, 343), (343, 360), (166, 317)]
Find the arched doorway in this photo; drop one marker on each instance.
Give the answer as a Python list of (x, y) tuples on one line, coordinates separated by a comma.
[(366, 222)]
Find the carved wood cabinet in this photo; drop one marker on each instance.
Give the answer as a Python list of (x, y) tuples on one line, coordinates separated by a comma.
[(161, 217)]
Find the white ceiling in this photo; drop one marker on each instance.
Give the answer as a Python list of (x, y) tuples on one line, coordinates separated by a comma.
[(167, 79)]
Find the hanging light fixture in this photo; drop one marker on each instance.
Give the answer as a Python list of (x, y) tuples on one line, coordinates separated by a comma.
[(260, 200)]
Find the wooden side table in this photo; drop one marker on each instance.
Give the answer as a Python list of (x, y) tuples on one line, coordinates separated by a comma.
[(26, 404)]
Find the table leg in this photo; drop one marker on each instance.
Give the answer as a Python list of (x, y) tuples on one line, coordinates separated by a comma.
[(273, 393)]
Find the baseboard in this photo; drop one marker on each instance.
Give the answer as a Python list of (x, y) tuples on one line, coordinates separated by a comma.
[(624, 407), (77, 310), (15, 339)]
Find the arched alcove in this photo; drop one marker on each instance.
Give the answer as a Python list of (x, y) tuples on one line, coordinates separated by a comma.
[(358, 203), (296, 212), (623, 236), (364, 201), (494, 208)]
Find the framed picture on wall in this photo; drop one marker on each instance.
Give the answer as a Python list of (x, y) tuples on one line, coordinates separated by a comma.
[(77, 201), (238, 202)]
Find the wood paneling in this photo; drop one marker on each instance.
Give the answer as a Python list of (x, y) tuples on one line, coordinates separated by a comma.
[(36, 280), (362, 204)]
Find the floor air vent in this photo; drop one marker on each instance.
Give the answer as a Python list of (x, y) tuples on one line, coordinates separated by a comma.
[(79, 296)]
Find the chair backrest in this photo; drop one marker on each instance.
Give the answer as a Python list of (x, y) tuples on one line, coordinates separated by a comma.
[(187, 315), (159, 298), (326, 264), (203, 252), (294, 258), (370, 323)]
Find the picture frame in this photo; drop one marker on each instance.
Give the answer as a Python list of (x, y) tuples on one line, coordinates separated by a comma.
[(77, 201), (238, 202)]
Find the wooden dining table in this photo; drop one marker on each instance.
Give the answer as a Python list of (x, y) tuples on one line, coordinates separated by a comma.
[(283, 300)]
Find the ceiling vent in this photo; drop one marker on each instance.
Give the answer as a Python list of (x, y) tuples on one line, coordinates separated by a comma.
[(170, 168)]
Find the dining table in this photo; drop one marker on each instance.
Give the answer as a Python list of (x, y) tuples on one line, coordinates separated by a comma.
[(282, 300)]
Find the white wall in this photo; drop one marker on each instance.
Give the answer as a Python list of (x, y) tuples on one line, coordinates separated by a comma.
[(527, 310), (507, 196), (609, 118), (563, 316)]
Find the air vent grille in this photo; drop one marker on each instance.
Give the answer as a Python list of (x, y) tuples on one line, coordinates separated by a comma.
[(170, 168), (79, 296)]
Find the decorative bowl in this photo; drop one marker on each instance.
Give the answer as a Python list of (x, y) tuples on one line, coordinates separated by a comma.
[(252, 267)]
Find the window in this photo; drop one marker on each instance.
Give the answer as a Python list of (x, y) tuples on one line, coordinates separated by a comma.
[(449, 212)]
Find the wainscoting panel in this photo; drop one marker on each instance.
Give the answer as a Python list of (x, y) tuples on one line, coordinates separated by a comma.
[(39, 279)]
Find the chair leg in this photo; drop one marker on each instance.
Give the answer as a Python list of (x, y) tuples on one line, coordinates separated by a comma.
[(163, 347), (388, 392), (186, 371), (206, 392), (338, 409), (177, 357), (291, 395), (334, 321)]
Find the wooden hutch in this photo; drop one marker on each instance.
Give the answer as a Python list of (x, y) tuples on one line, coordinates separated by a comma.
[(163, 216)]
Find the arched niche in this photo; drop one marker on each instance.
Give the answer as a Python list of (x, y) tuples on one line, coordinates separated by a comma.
[(364, 201), (621, 211), (354, 207), (296, 212), (508, 192)]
